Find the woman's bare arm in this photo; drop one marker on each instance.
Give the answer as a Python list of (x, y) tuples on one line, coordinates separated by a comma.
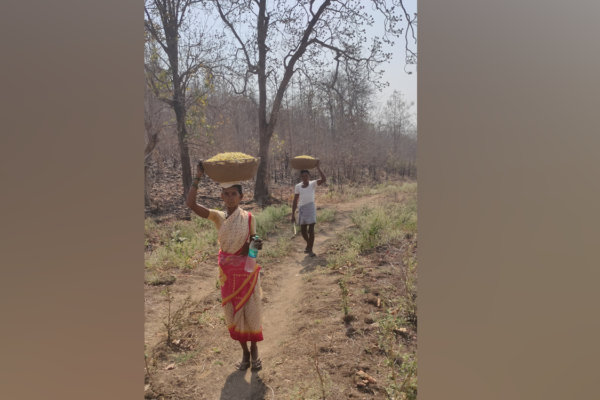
[(191, 198)]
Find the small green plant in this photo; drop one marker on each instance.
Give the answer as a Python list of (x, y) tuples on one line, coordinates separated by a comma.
[(159, 278), (377, 226), (345, 300), (280, 249), (183, 358), (267, 219), (325, 215), (402, 381), (218, 362), (346, 254), (175, 319)]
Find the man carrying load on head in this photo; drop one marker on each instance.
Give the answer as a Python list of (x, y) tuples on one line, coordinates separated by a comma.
[(304, 200), (240, 290)]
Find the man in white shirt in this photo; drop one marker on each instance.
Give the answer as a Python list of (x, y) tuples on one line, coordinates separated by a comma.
[(304, 200)]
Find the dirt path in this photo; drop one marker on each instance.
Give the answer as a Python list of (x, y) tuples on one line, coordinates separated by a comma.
[(291, 310)]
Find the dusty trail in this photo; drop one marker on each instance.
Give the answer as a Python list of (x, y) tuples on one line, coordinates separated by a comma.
[(211, 374)]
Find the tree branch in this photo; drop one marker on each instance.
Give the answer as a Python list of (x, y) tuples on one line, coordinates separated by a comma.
[(251, 66)]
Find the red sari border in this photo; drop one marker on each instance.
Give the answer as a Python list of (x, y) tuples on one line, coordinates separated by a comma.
[(232, 270)]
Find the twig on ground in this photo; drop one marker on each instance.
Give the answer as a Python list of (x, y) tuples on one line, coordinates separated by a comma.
[(271, 390), (316, 360)]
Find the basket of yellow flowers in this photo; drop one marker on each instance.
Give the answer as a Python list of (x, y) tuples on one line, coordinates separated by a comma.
[(231, 167), (303, 162)]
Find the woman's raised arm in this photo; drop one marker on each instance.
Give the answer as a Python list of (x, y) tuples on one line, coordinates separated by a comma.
[(191, 198)]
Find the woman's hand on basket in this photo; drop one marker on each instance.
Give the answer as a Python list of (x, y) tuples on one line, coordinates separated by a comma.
[(199, 169)]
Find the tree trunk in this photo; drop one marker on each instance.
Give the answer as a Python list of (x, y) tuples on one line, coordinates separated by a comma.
[(147, 186), (184, 152), (261, 189), (150, 146)]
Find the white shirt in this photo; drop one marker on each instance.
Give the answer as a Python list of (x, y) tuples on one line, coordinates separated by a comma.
[(307, 194)]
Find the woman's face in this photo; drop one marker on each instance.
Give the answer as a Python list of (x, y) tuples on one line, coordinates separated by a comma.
[(231, 197), (305, 177)]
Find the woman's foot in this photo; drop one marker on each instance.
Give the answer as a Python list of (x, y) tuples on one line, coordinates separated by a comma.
[(256, 361), (245, 363), (256, 364), (306, 250), (242, 365)]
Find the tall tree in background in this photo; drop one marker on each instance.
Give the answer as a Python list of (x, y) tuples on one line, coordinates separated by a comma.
[(274, 39), (398, 117), (153, 124), (181, 51)]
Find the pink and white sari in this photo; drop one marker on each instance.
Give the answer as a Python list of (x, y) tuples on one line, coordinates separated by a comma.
[(240, 290)]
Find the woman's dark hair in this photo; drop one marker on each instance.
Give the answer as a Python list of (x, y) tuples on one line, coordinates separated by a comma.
[(238, 187), (303, 171)]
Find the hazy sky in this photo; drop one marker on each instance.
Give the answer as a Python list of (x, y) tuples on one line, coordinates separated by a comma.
[(394, 71)]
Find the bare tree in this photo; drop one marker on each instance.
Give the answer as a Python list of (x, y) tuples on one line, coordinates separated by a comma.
[(398, 117), (273, 40), (153, 126), (181, 54)]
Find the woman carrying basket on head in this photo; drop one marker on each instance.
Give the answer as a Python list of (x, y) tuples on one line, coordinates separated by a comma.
[(240, 290), (304, 200)]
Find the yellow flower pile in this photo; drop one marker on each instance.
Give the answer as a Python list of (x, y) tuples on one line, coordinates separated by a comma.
[(230, 157), (307, 157)]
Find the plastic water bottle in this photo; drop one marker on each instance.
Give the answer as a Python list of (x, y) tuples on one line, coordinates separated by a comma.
[(252, 254)]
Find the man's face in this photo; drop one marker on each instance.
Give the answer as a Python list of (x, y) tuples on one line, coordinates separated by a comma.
[(305, 177), (231, 196)]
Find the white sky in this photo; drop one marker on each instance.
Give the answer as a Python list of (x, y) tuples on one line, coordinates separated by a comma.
[(394, 71)]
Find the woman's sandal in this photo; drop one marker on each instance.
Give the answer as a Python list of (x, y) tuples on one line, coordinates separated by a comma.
[(257, 364), (242, 365)]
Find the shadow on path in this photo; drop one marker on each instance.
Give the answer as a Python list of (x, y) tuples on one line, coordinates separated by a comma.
[(243, 385)]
